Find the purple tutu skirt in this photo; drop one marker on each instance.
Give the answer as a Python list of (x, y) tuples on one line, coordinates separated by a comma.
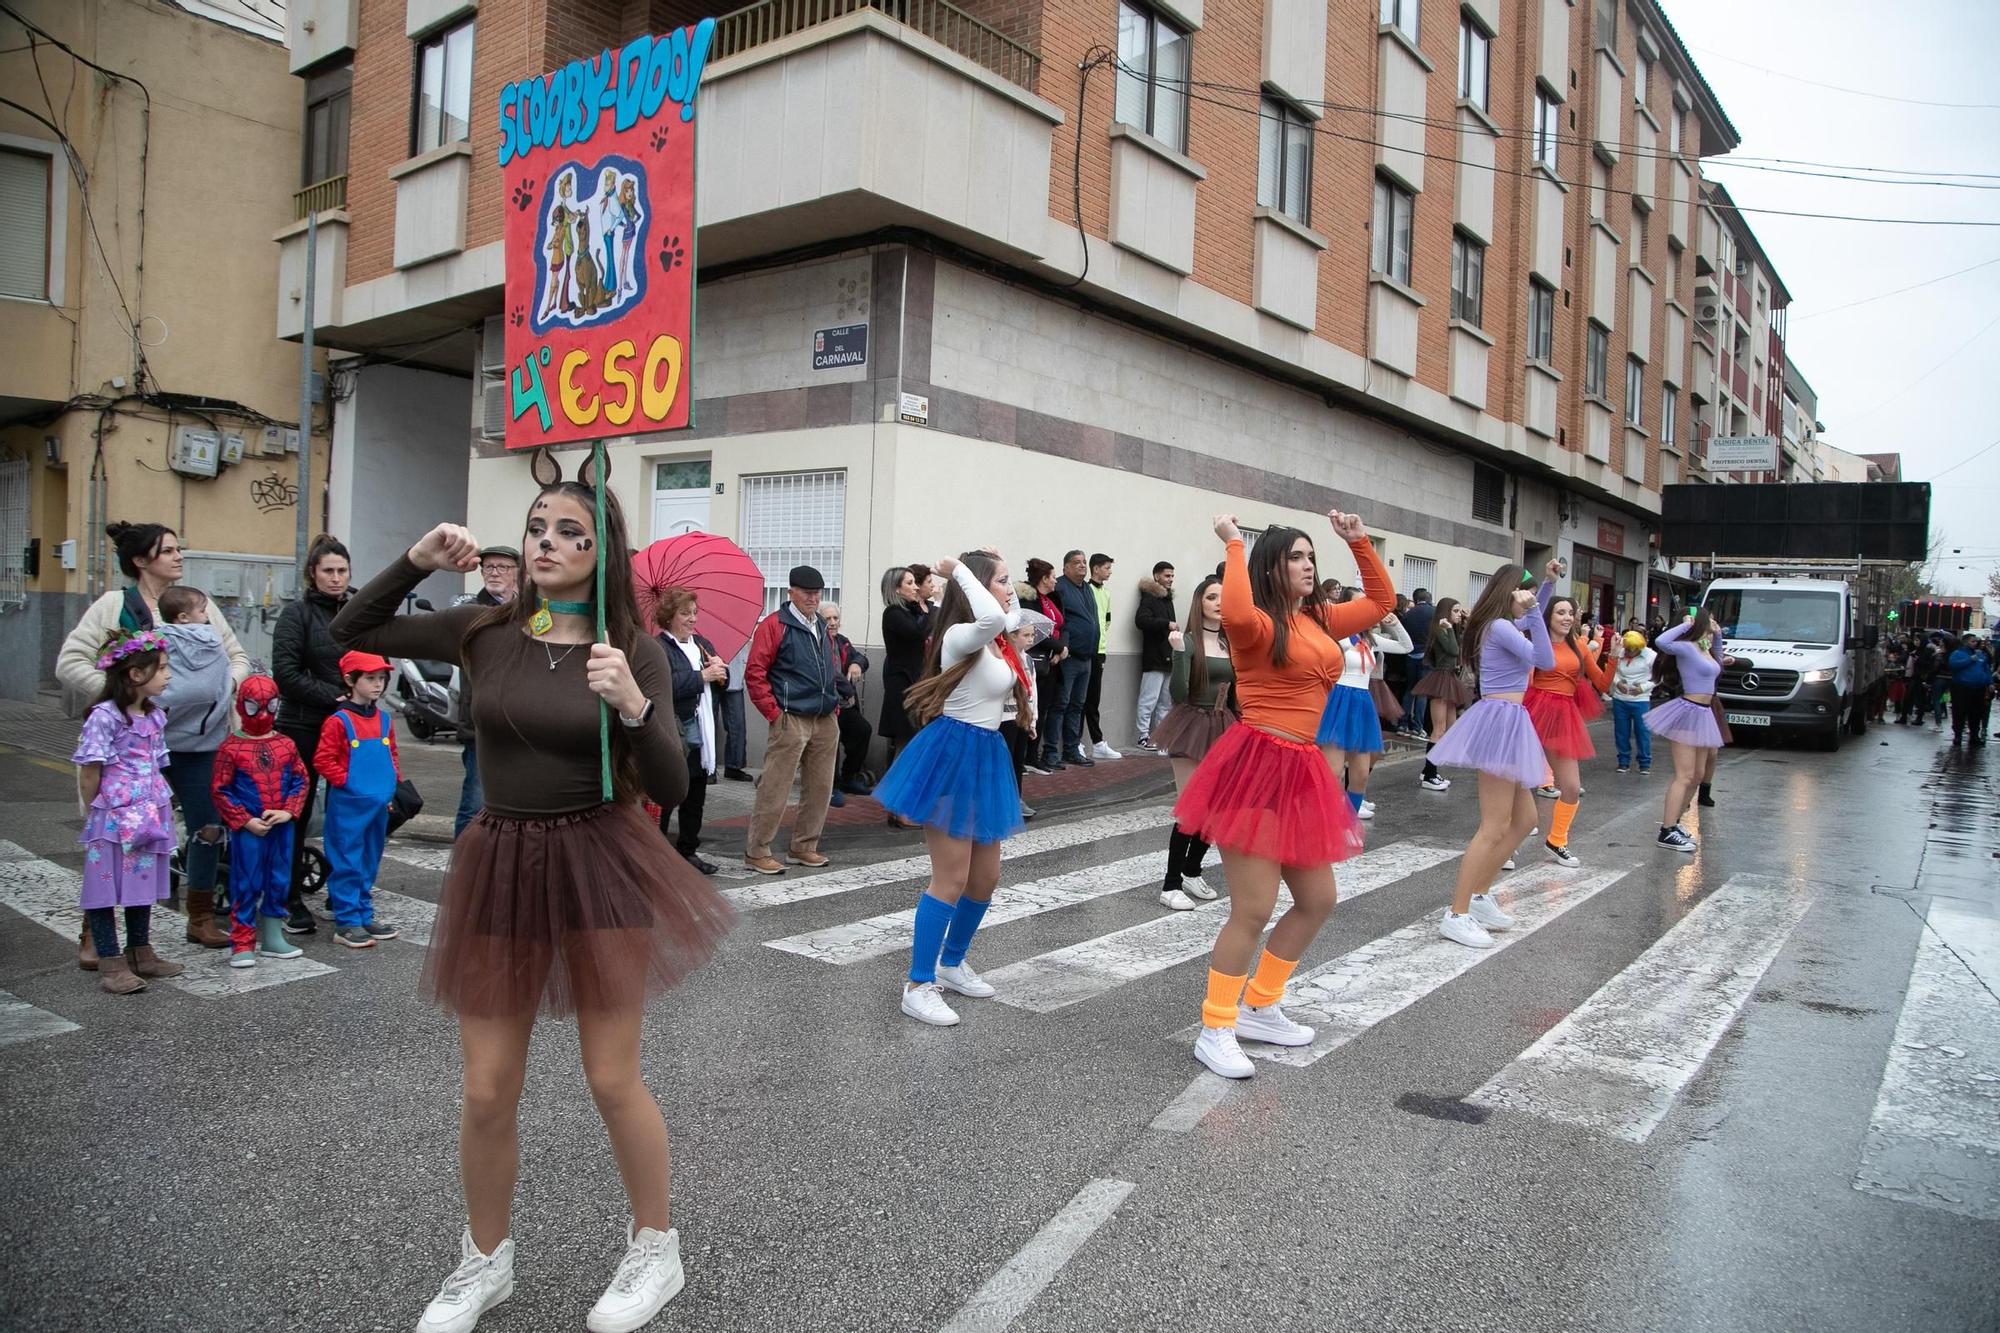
[(1687, 723), (1495, 736)]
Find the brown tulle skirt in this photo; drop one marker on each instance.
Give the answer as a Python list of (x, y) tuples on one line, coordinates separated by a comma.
[(590, 911), (1386, 706), (1187, 732), (1445, 686)]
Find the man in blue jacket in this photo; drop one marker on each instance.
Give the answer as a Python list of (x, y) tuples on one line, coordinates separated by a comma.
[(1081, 633), (1971, 670), (790, 678)]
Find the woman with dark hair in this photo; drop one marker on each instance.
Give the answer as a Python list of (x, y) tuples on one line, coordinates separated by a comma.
[(305, 661), (1264, 794), (1561, 700), (698, 676), (1688, 724), (1204, 708), (1442, 684), (955, 778), (149, 554), (1507, 636), (557, 900), (1038, 594), (906, 629)]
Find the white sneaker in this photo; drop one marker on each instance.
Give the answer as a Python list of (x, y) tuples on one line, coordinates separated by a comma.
[(1195, 888), (1270, 1024), (1487, 912), (1508, 864), (1217, 1048), (1435, 784), (1176, 900), (925, 1003), (1103, 750), (1464, 930), (965, 981), (1562, 856), (480, 1282), (1367, 810), (648, 1277), (1549, 793)]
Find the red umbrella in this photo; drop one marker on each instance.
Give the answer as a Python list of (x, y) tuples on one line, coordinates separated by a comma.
[(726, 582)]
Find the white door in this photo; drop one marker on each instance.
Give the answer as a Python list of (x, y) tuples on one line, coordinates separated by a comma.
[(680, 498)]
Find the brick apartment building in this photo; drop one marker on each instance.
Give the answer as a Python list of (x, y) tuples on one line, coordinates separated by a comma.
[(1138, 260)]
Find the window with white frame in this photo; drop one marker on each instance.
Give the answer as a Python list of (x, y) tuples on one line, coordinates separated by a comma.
[(795, 518), (1475, 62), (25, 182), (1597, 349), (1419, 572), (1642, 76), (1395, 210), (1635, 391), (1284, 160), (1468, 279), (1402, 16), (1667, 396), (1674, 130), (13, 532), (443, 109), (1548, 125), (1607, 24), (1541, 320), (1152, 76)]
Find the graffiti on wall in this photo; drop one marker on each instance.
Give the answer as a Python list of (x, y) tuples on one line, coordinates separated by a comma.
[(272, 492)]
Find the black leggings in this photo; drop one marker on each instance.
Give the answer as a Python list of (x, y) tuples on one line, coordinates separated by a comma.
[(104, 929)]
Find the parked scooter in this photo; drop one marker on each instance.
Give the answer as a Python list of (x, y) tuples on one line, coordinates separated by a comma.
[(427, 694)]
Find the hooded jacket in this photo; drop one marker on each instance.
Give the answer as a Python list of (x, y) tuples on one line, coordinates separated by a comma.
[(1081, 630), (1154, 618), (305, 661), (199, 691)]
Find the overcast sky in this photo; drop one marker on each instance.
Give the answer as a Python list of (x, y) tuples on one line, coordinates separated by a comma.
[(1917, 373)]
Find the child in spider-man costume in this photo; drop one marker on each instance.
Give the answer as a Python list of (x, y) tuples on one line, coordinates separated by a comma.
[(260, 787)]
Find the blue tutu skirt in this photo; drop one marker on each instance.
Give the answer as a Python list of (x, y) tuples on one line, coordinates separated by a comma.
[(1495, 736), (1350, 722), (956, 778)]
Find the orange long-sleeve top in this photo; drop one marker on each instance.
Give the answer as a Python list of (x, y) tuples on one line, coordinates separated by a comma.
[(1290, 699), (1569, 665)]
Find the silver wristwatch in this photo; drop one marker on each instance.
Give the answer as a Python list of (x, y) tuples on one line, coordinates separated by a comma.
[(645, 716)]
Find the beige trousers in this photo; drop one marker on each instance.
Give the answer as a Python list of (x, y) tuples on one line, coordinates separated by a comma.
[(807, 747)]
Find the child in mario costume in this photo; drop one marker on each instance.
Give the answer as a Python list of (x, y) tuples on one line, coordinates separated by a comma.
[(357, 757), (259, 788)]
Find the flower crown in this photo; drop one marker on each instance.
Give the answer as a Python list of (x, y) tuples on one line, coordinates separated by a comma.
[(123, 645)]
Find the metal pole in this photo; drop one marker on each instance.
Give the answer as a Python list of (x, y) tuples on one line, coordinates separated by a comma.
[(305, 396)]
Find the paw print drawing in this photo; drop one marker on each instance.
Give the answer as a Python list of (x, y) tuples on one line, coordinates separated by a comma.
[(659, 138), (519, 317), (523, 196), (671, 254)]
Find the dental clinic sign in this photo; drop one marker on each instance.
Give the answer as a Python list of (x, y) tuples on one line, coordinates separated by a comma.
[(598, 159)]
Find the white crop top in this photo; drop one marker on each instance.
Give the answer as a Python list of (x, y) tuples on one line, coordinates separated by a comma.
[(1359, 666), (980, 698)]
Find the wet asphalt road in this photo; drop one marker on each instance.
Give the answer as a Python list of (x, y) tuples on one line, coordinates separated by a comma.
[(1617, 1122)]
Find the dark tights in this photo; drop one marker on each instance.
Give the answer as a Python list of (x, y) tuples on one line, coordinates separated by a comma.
[(104, 929)]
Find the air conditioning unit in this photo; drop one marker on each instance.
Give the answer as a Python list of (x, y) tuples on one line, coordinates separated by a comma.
[(493, 346), (493, 379), (493, 409), (1709, 313)]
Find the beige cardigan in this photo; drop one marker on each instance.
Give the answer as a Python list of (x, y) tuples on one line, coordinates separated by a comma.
[(76, 663)]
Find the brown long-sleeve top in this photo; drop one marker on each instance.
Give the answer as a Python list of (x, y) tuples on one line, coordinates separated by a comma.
[(536, 726)]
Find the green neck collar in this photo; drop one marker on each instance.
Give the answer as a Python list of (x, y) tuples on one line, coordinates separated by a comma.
[(568, 608)]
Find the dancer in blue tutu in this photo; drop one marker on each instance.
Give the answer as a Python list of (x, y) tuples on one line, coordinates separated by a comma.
[(1688, 724), (1350, 730), (956, 778), (1506, 636)]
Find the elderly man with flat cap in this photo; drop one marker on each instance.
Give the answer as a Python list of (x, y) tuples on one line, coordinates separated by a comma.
[(792, 680)]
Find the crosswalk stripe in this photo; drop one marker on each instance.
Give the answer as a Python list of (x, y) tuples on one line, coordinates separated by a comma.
[(47, 893), (1934, 1137), (1348, 996), (796, 888), (413, 918), (424, 858), (855, 941), (1083, 971), (21, 1021), (1617, 1062)]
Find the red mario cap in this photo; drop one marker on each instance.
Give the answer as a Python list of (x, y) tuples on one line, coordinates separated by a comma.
[(358, 663)]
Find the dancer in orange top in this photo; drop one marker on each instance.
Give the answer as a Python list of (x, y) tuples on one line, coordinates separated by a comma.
[(1263, 795), (1561, 702)]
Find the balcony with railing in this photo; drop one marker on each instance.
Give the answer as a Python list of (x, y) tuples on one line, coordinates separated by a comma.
[(941, 21), (319, 197)]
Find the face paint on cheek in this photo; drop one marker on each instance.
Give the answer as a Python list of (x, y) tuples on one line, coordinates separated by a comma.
[(584, 544)]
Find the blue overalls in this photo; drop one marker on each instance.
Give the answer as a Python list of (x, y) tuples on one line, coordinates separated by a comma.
[(357, 821)]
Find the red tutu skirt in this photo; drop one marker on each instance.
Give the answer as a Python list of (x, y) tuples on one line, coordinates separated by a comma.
[(592, 910), (1589, 703), (1559, 722), (1386, 706), (1270, 798)]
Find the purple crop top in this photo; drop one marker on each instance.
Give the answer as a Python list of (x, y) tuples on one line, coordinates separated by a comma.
[(1509, 650), (1699, 669)]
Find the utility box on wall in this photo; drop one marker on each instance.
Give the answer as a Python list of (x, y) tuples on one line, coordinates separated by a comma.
[(196, 453)]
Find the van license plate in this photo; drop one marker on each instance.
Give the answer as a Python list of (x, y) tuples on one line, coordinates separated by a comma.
[(1748, 719)]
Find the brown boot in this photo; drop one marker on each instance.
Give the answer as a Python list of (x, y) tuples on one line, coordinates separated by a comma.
[(114, 974), (86, 952), (201, 921), (149, 964)]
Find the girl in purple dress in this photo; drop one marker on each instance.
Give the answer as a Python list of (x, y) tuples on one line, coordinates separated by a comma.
[(128, 832)]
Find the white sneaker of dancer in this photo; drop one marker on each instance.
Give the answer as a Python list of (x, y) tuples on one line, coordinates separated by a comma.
[(1270, 1024), (1195, 888), (1508, 864), (1217, 1048), (480, 1282), (1464, 930), (965, 981), (925, 1003), (1366, 811), (648, 1277), (1488, 914), (1176, 900)]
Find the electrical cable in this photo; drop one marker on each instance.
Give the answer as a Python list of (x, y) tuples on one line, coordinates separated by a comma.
[(1976, 453), (1092, 59), (1796, 318), (1842, 88)]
